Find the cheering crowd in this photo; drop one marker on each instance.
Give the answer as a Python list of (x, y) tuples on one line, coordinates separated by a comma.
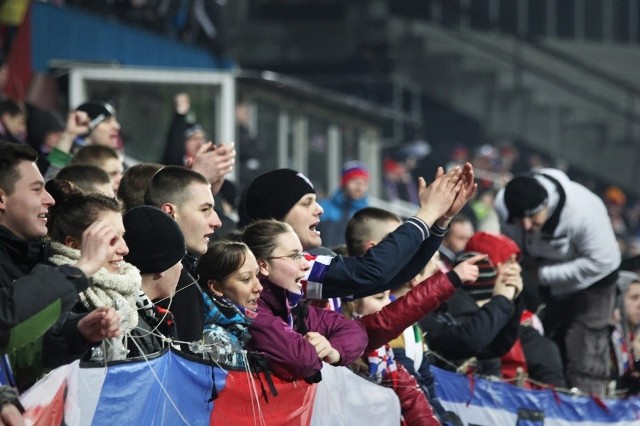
[(104, 261)]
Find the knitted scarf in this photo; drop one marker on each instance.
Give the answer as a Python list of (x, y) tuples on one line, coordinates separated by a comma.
[(381, 362), (106, 288)]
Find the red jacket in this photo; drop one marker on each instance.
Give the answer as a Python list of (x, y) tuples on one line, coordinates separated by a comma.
[(388, 323), (414, 406)]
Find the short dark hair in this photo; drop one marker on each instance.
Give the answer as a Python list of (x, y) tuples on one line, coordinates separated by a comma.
[(363, 225), (94, 154), (11, 154), (134, 183), (171, 184), (12, 108), (84, 176)]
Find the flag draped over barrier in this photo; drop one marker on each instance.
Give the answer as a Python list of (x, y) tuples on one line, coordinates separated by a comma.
[(172, 389), (483, 402)]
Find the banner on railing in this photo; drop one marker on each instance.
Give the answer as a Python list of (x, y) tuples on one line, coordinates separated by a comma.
[(480, 402), (171, 389)]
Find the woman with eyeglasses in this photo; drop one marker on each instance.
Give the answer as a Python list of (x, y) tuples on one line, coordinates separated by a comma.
[(296, 338)]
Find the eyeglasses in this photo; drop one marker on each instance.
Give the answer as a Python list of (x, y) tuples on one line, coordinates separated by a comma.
[(295, 256)]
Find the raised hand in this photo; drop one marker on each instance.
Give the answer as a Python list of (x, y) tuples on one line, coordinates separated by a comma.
[(467, 191), (215, 162), (77, 124), (509, 280), (437, 198), (97, 247), (468, 270), (182, 102), (99, 324)]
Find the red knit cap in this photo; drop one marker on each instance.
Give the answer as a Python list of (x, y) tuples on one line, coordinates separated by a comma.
[(499, 247)]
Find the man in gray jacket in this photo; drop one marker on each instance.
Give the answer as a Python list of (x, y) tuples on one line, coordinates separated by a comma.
[(569, 245)]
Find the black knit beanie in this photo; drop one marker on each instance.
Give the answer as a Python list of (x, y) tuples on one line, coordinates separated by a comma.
[(154, 239), (97, 112), (271, 195), (524, 196)]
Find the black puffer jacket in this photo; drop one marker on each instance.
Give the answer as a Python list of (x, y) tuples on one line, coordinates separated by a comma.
[(33, 298), (459, 329)]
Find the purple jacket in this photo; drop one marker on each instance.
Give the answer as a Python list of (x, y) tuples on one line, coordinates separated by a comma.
[(290, 355)]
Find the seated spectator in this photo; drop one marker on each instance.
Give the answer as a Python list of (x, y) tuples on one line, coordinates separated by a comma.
[(460, 329), (104, 157), (117, 283), (345, 201), (88, 178), (134, 183), (29, 287), (294, 337), (156, 248), (626, 334), (229, 274)]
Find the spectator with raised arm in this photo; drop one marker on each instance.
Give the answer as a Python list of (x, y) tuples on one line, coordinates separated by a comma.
[(288, 195)]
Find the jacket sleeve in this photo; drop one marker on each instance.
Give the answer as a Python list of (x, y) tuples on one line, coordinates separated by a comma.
[(456, 339), (30, 305), (174, 147), (346, 336), (395, 260), (544, 361), (63, 343), (415, 408), (507, 335), (388, 323), (597, 252), (290, 355), (423, 374), (57, 160)]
